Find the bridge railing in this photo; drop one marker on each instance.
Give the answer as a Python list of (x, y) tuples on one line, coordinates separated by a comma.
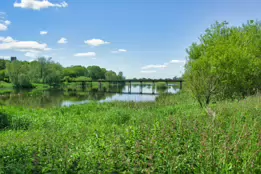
[(127, 80)]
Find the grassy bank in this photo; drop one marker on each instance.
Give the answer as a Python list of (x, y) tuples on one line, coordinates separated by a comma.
[(172, 135), (7, 88)]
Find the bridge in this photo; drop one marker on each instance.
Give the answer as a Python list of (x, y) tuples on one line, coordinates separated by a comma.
[(129, 82)]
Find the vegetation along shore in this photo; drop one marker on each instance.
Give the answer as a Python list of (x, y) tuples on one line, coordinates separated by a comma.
[(212, 125)]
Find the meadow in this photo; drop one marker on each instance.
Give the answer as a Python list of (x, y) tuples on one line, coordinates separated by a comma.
[(172, 135)]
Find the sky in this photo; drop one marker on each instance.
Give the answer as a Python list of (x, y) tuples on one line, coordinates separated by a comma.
[(142, 38)]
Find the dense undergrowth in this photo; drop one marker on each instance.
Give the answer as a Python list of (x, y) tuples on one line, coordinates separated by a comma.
[(172, 135)]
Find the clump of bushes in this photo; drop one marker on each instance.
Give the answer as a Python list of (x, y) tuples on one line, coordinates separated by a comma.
[(13, 122)]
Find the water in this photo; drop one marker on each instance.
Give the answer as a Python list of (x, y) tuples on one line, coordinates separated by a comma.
[(67, 97)]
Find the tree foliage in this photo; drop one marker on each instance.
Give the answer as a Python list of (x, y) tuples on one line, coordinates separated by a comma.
[(44, 70), (226, 63), (18, 73)]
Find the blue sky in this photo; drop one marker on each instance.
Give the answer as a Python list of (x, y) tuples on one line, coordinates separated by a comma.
[(142, 38)]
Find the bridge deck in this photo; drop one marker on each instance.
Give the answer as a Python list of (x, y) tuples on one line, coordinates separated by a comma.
[(126, 81)]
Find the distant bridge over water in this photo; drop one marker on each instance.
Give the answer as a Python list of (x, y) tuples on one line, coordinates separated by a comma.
[(129, 83)]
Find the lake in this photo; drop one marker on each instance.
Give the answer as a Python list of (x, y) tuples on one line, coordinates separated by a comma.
[(68, 97)]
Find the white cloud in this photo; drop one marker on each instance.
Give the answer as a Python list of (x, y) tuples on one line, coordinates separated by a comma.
[(154, 66), (31, 54), (148, 72), (122, 50), (119, 51), (38, 4), (4, 24), (5, 57), (9, 43), (3, 27), (177, 61), (62, 41), (147, 68), (96, 42), (6, 39), (88, 54), (7, 22), (43, 32)]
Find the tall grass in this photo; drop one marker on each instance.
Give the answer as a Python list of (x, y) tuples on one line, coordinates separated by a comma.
[(172, 135)]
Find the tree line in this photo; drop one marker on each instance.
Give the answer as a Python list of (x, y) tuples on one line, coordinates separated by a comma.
[(43, 70), (225, 63)]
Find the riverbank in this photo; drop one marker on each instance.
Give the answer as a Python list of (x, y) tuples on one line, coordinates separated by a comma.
[(7, 88), (172, 134)]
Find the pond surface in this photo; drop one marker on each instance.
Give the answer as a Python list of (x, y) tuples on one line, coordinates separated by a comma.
[(67, 97)]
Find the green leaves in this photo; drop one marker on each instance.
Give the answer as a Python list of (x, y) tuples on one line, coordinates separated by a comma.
[(228, 60)]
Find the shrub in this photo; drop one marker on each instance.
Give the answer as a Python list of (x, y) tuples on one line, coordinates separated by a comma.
[(82, 78), (23, 81), (2, 75)]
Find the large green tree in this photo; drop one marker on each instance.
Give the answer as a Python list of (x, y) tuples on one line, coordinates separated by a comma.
[(226, 62), (96, 73), (44, 70), (18, 73), (110, 75), (75, 71)]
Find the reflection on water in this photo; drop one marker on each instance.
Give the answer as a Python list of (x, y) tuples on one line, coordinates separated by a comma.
[(58, 98)]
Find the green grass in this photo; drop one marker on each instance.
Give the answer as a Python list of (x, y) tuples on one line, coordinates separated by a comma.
[(9, 88), (5, 88), (40, 86), (172, 135), (5, 91), (5, 85)]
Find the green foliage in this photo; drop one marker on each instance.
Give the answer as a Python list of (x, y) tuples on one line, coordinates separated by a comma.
[(3, 64), (110, 75), (226, 63), (4, 123), (66, 78), (2, 75), (96, 73), (46, 71), (172, 135), (23, 81), (120, 76), (5, 85), (18, 74), (82, 78), (75, 71), (161, 85), (53, 78)]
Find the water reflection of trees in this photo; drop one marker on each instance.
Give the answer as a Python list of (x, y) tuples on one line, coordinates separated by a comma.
[(37, 99), (54, 97)]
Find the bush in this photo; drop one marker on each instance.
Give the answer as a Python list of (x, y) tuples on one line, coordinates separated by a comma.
[(53, 78), (23, 81), (82, 78), (67, 78), (4, 123), (2, 75)]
